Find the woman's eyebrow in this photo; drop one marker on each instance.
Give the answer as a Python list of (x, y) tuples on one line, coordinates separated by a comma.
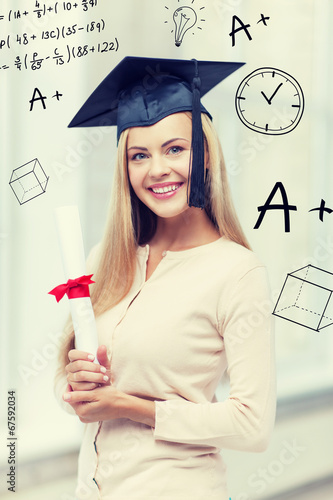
[(137, 147), (174, 139), (163, 145)]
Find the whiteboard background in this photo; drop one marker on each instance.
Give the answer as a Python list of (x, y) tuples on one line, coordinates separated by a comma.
[(79, 163)]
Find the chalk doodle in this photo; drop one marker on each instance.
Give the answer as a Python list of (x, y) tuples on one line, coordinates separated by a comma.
[(305, 298), (269, 101), (28, 181), (35, 45), (244, 27), (184, 19)]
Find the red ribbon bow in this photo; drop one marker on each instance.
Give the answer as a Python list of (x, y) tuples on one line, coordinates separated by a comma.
[(74, 289)]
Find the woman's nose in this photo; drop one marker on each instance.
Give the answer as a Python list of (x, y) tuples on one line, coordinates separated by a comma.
[(158, 167)]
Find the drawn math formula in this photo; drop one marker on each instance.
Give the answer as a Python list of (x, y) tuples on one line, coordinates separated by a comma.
[(25, 49), (42, 9)]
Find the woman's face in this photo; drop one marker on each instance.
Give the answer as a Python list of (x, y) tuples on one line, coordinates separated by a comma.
[(158, 159)]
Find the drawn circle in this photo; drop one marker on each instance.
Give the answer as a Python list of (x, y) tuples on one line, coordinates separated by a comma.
[(269, 101)]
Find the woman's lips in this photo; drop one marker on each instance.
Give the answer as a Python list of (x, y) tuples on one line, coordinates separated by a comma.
[(163, 191)]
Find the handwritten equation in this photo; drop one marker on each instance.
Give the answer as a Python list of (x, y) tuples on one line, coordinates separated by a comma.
[(54, 34), (35, 61), (41, 9), (33, 39)]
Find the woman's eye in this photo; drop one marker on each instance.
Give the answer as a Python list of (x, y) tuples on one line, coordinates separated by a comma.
[(175, 150), (138, 156)]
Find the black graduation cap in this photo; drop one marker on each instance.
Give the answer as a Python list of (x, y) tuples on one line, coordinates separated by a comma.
[(140, 91)]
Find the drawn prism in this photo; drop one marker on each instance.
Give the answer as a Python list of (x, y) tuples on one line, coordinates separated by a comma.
[(28, 181), (306, 298)]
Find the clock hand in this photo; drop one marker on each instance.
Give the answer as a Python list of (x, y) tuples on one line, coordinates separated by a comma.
[(277, 88), (265, 97)]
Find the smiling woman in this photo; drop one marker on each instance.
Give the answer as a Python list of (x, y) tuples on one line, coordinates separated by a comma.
[(176, 290), (160, 179), (159, 168)]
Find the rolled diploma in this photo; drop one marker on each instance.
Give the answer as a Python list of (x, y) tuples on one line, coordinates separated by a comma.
[(72, 252)]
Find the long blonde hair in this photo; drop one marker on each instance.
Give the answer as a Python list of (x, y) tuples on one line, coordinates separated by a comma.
[(130, 223)]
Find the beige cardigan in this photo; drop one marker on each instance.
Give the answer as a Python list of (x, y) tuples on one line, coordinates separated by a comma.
[(203, 312)]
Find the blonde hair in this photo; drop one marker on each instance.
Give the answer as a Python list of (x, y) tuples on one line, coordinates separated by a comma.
[(130, 223), (219, 204)]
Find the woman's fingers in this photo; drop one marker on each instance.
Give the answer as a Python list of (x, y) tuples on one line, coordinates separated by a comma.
[(82, 380), (84, 386), (102, 357), (88, 366), (85, 376), (79, 397), (75, 354)]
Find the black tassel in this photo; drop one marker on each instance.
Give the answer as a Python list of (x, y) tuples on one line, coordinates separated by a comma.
[(197, 185)]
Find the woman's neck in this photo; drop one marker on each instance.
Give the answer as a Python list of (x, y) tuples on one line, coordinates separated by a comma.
[(190, 229)]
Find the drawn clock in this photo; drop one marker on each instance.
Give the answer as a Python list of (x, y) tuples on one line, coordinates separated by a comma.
[(269, 101)]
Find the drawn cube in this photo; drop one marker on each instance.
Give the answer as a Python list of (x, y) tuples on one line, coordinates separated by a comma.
[(28, 181), (306, 298)]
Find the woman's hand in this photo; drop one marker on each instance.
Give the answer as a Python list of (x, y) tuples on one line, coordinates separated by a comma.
[(107, 403), (83, 374), (93, 398), (102, 403)]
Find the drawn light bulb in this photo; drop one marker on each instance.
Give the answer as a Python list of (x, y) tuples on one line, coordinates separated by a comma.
[(184, 18)]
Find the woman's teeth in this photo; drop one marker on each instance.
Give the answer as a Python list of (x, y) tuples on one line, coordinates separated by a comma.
[(165, 189)]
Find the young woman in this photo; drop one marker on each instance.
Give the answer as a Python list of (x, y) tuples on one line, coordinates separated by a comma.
[(180, 299)]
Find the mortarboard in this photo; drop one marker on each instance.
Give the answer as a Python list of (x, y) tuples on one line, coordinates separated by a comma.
[(140, 91)]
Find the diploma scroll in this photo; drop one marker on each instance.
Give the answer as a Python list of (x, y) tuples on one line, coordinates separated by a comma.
[(77, 289)]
